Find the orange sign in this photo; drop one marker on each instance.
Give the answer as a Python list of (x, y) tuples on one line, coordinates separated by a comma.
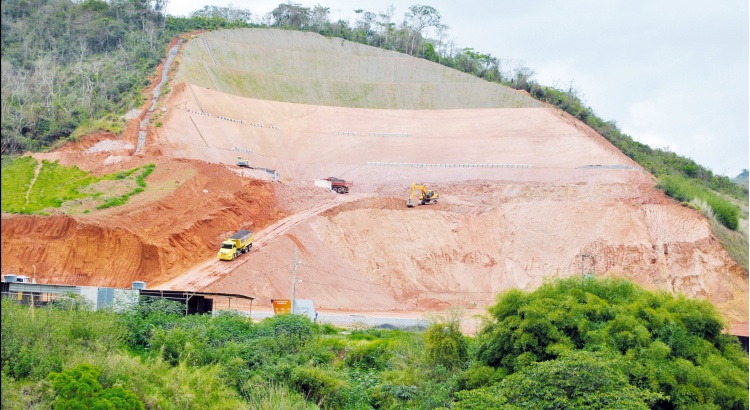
[(281, 306)]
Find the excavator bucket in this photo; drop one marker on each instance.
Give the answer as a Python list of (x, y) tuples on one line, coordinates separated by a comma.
[(410, 203)]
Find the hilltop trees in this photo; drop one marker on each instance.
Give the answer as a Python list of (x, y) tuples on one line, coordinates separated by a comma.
[(229, 13), (68, 63)]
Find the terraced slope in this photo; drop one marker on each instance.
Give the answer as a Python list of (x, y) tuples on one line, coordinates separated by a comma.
[(308, 68), (525, 190)]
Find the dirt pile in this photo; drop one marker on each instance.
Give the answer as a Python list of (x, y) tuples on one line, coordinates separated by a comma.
[(186, 212)]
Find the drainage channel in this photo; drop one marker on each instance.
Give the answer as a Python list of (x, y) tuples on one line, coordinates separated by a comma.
[(156, 92)]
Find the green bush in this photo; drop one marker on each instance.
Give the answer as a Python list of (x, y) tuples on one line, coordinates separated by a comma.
[(446, 345), (323, 387), (79, 388), (670, 345), (140, 320), (35, 344), (478, 376), (289, 333), (274, 396), (576, 380), (366, 354)]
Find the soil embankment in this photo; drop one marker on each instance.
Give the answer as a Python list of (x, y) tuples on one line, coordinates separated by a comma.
[(526, 193)]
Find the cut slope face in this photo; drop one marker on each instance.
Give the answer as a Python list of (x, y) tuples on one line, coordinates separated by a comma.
[(377, 147), (307, 68), (525, 191)]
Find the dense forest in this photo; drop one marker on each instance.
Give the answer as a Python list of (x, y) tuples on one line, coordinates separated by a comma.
[(570, 344)]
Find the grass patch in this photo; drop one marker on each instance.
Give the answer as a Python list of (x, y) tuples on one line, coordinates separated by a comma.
[(686, 190), (735, 242), (57, 184), (109, 123), (140, 181), (17, 175)]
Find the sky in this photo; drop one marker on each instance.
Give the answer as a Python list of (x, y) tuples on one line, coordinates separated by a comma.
[(672, 74)]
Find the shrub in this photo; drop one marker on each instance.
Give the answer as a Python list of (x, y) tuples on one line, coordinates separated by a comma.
[(289, 333), (666, 341), (576, 380), (148, 314), (274, 396), (368, 354), (79, 388), (446, 345), (321, 386), (33, 345)]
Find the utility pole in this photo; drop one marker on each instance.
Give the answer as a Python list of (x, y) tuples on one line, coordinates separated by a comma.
[(583, 255), (294, 277)]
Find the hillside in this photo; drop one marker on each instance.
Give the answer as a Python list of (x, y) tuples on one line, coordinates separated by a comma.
[(525, 189), (305, 68)]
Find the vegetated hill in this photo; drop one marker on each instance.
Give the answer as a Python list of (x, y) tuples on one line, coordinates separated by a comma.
[(742, 179), (307, 68)]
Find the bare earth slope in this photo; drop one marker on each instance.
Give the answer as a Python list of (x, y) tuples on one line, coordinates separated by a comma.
[(525, 191)]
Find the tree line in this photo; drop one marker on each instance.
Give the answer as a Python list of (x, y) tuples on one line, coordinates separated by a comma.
[(570, 344)]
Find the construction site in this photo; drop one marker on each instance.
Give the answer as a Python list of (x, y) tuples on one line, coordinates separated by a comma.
[(456, 189)]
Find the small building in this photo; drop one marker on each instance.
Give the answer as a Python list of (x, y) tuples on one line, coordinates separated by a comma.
[(111, 298)]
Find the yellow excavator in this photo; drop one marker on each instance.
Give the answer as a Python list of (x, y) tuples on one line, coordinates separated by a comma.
[(423, 195)]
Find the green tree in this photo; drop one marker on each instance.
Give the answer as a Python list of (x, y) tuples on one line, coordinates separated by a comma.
[(576, 380), (79, 388), (673, 346), (445, 344)]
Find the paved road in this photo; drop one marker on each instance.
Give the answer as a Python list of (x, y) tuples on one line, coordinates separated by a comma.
[(360, 321)]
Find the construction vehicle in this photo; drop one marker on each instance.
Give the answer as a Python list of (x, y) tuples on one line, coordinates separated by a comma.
[(423, 195), (243, 162), (339, 185), (236, 245)]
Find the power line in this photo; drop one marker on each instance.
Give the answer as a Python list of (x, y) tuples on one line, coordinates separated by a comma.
[(398, 287)]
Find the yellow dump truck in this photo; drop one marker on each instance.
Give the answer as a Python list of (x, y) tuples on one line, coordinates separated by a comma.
[(236, 245)]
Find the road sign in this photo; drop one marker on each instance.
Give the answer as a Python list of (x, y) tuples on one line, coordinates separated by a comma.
[(281, 306)]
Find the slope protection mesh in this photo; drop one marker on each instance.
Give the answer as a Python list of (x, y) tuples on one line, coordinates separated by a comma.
[(308, 68)]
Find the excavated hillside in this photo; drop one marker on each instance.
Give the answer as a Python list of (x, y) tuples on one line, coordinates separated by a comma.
[(525, 190)]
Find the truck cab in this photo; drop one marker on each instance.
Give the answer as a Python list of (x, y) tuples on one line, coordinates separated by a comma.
[(243, 162)]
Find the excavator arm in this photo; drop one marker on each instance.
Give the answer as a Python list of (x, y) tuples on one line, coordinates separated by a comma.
[(410, 201)]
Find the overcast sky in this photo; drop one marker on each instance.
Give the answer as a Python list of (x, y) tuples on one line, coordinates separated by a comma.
[(672, 73)]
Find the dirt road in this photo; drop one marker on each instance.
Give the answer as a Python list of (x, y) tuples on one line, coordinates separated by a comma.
[(205, 273)]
